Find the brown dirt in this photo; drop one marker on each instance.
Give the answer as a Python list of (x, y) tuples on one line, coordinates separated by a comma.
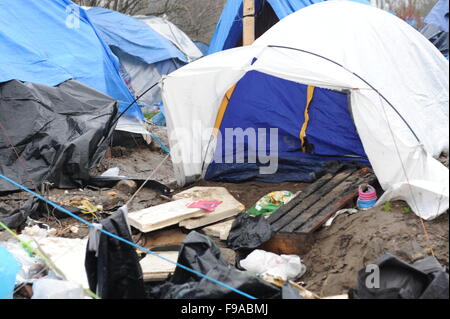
[(340, 251), (354, 241)]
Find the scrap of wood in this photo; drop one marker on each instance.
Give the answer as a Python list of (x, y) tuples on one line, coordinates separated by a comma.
[(228, 208), (331, 195), (219, 230), (162, 238), (289, 243), (155, 268), (163, 215), (284, 209), (286, 222), (345, 198)]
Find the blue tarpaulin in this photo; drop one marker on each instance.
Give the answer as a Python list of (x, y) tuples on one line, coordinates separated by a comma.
[(438, 16), (51, 41), (133, 36), (229, 29)]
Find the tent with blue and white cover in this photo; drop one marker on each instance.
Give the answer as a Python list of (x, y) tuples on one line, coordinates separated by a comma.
[(359, 84), (228, 33)]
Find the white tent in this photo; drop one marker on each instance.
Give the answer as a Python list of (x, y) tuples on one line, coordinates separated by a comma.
[(398, 83)]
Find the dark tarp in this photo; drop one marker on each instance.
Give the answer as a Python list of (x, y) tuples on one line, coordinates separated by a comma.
[(199, 253), (424, 279), (60, 133), (113, 269)]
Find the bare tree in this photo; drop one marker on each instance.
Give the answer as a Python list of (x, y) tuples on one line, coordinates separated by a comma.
[(198, 18), (130, 7)]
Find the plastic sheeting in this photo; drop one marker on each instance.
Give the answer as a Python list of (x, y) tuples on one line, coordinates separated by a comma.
[(178, 38), (391, 278), (397, 61), (60, 133), (199, 253), (112, 267), (51, 41), (436, 26)]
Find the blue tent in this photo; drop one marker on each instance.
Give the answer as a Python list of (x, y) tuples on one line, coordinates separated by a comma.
[(144, 53), (327, 135), (228, 32), (436, 26), (438, 16), (51, 41)]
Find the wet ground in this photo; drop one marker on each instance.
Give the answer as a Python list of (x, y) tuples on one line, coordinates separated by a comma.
[(339, 253)]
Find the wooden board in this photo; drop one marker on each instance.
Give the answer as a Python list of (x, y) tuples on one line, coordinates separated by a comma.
[(228, 208), (219, 230), (289, 243), (157, 269), (162, 239), (163, 215), (294, 223), (248, 32), (309, 201)]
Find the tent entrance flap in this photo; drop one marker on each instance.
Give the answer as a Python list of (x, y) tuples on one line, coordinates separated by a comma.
[(262, 117)]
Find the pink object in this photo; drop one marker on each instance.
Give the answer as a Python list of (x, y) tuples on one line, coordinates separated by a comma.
[(208, 205), (367, 192)]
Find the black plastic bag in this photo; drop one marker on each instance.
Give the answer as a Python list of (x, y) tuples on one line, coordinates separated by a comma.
[(248, 232), (425, 279), (199, 253), (113, 270)]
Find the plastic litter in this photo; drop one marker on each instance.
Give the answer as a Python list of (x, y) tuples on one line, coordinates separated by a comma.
[(285, 267), (8, 270), (424, 279), (48, 288), (248, 232), (208, 205), (367, 197), (270, 203), (349, 211), (201, 254)]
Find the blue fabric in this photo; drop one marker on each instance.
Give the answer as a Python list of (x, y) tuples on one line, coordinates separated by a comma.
[(133, 36), (438, 16), (282, 105), (203, 47), (38, 46), (229, 28)]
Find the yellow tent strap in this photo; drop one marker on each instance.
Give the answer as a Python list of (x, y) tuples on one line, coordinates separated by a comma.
[(222, 109), (310, 94)]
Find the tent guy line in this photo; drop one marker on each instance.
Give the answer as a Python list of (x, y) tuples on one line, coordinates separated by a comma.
[(355, 74), (61, 209)]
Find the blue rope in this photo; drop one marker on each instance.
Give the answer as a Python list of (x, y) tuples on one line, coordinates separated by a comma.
[(126, 241)]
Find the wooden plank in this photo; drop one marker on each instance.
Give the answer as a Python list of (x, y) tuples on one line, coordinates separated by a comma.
[(289, 243), (163, 215), (336, 192), (310, 201), (163, 238), (346, 199), (248, 32), (157, 269), (228, 208), (283, 210), (219, 230)]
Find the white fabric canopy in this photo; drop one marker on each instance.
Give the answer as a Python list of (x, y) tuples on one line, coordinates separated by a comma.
[(394, 74)]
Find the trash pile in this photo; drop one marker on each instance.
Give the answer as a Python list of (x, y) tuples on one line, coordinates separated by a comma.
[(348, 132)]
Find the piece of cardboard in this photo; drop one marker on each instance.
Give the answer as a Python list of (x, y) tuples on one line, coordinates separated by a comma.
[(163, 215), (155, 268), (229, 207)]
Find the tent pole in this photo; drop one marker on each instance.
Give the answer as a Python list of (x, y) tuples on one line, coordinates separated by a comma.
[(248, 32)]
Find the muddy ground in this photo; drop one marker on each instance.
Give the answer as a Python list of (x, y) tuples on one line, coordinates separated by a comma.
[(339, 252)]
